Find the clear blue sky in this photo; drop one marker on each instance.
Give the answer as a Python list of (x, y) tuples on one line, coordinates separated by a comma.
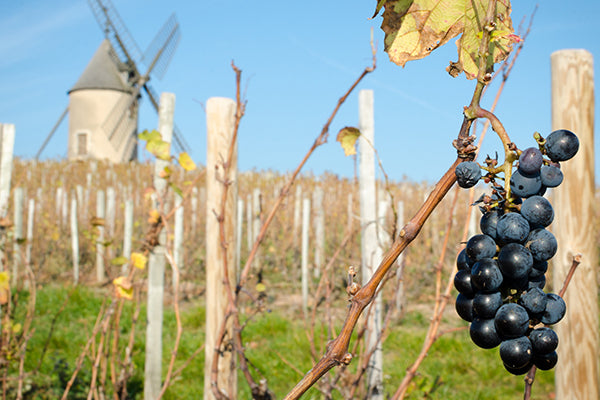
[(297, 59)]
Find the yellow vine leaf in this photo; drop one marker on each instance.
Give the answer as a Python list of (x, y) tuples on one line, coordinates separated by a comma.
[(4, 280), (149, 136), (186, 162), (123, 287), (159, 148), (414, 28), (139, 260), (347, 137), (119, 261), (154, 217)]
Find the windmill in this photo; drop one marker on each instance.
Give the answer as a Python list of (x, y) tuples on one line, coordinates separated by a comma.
[(103, 103)]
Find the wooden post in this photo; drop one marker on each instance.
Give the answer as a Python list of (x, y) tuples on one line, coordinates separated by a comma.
[(319, 230), (304, 254), (110, 218), (100, 213), (178, 233), (7, 143), (371, 252), (18, 224), (577, 371), (220, 118), (75, 240), (156, 264), (128, 233)]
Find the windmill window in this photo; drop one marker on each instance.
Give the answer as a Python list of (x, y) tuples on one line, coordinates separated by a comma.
[(82, 144)]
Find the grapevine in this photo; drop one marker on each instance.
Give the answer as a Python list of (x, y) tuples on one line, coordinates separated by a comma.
[(501, 272)]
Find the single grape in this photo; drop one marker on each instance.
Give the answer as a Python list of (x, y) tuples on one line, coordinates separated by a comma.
[(515, 261), (534, 301), (467, 174), (486, 275), (511, 321), (561, 145), (516, 353), (463, 261), (530, 161), (462, 283), (551, 175), (485, 305), (512, 227), (538, 269), (483, 333), (525, 186), (538, 282), (464, 307), (519, 371), (488, 223), (542, 244), (543, 340), (537, 211), (481, 246), (545, 361), (555, 309)]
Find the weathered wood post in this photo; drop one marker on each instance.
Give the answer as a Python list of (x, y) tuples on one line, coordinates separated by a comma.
[(156, 264), (7, 142), (111, 201), (18, 197), (75, 240), (100, 213), (577, 372), (371, 252), (304, 254), (220, 118)]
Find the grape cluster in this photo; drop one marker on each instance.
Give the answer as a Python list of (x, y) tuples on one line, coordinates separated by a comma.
[(501, 272)]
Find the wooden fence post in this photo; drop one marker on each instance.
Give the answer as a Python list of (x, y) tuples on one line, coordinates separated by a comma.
[(577, 372), (371, 252), (156, 264), (18, 224), (100, 212), (75, 240), (220, 117)]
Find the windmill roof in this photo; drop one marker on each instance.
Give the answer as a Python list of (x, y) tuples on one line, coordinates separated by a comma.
[(102, 71)]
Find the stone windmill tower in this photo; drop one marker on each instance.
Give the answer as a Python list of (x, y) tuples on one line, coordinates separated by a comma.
[(103, 103)]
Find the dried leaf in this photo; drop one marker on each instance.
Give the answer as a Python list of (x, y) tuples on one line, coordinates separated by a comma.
[(123, 287), (413, 29), (119, 260), (186, 162), (154, 217), (139, 260), (159, 148), (347, 137)]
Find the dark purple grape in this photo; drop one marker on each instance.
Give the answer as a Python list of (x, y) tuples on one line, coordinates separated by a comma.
[(468, 174), (551, 175), (463, 261), (511, 321), (530, 161), (519, 371), (462, 283), (488, 223), (516, 353), (555, 309), (515, 261), (481, 246), (518, 284), (538, 269), (545, 362), (538, 282), (485, 305), (543, 340), (486, 275), (483, 333), (537, 211), (464, 307), (525, 186), (512, 227), (533, 300), (542, 244), (561, 145)]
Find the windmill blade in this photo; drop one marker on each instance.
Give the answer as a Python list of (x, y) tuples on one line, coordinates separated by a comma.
[(114, 29), (179, 142), (120, 122), (60, 119), (160, 51)]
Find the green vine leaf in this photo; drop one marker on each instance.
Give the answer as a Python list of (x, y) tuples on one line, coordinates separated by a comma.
[(414, 28)]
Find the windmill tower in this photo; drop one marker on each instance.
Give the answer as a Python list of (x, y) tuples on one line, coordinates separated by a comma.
[(103, 103)]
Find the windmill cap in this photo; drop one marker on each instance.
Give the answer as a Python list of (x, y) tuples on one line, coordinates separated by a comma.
[(102, 72)]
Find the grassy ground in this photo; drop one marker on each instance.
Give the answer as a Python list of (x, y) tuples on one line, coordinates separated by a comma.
[(454, 369)]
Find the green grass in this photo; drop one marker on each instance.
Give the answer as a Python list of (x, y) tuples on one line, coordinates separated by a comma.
[(454, 369)]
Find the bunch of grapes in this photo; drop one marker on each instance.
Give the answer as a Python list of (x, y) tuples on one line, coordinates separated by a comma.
[(501, 272)]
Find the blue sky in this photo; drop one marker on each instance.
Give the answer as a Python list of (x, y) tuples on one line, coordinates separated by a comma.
[(297, 59)]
